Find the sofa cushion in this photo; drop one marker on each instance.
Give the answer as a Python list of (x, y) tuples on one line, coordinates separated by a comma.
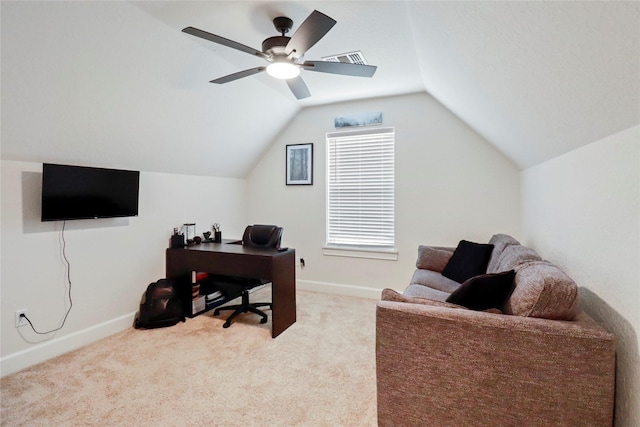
[(484, 291), (499, 242), (514, 255), (434, 280), (468, 260), (420, 291), (543, 290), (391, 295), (433, 258)]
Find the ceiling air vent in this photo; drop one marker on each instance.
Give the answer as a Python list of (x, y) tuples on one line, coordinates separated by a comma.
[(350, 58)]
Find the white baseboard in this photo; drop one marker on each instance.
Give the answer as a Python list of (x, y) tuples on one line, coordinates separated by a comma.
[(339, 289), (49, 349)]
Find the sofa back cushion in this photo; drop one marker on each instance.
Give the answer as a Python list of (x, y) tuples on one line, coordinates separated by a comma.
[(544, 291), (514, 255), (499, 242)]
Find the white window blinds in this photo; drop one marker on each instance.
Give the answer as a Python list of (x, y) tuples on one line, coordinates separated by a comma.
[(360, 187)]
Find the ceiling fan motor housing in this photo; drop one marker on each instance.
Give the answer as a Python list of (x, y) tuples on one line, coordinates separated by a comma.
[(275, 45)]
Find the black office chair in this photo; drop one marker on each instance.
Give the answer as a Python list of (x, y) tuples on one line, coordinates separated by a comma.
[(258, 236)]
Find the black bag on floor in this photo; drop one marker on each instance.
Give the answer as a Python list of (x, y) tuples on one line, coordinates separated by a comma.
[(160, 306)]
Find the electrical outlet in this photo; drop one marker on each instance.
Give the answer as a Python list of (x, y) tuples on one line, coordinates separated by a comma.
[(21, 321)]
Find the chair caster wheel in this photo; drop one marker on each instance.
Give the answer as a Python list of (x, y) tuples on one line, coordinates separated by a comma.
[(226, 325), (216, 312), (263, 320)]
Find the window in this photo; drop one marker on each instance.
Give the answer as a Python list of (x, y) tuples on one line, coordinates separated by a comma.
[(360, 188)]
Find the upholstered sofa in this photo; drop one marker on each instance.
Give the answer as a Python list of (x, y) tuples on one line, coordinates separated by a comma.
[(536, 360)]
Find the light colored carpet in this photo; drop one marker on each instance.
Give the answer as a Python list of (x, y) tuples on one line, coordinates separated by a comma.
[(319, 372)]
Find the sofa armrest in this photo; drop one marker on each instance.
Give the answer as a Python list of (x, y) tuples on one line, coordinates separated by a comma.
[(450, 367)]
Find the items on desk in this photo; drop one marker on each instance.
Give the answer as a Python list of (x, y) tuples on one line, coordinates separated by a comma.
[(189, 230), (217, 233), (177, 239)]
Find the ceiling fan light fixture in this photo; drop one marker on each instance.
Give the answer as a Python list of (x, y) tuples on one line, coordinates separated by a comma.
[(283, 70)]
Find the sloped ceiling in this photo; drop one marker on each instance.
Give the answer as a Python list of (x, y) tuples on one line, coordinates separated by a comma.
[(536, 79)]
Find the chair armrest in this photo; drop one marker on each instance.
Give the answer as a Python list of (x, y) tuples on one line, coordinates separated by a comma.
[(450, 367)]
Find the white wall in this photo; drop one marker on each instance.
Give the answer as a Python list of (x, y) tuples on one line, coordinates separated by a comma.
[(450, 185), (582, 211), (105, 84), (112, 260)]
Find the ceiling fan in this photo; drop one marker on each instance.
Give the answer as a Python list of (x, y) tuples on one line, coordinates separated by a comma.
[(286, 54)]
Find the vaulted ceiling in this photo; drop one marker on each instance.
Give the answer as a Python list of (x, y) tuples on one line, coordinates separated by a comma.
[(536, 79)]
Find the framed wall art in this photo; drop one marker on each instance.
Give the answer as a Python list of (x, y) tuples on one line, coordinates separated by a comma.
[(362, 119), (300, 164)]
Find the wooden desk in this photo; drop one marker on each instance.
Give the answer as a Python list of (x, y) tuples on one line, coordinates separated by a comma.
[(236, 260)]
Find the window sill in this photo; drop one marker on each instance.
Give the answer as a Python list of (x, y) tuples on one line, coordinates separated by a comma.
[(360, 252)]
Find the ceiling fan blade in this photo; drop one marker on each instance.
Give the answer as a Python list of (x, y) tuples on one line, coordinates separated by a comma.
[(298, 87), (225, 42), (308, 33), (239, 75), (343, 68)]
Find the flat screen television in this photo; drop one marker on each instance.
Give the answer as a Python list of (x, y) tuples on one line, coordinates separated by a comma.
[(80, 192)]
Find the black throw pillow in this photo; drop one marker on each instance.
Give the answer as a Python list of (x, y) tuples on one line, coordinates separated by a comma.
[(484, 291), (468, 260)]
